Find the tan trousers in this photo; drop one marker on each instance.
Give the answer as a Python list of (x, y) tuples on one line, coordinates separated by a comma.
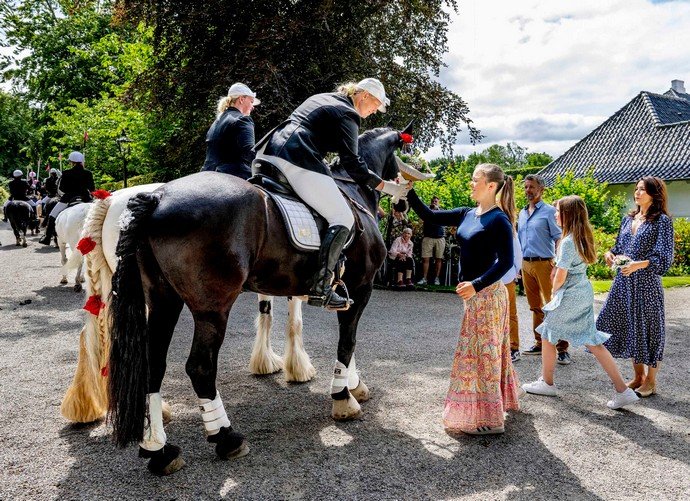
[(536, 278), (512, 311)]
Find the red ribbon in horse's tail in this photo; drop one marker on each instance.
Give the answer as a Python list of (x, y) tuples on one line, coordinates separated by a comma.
[(94, 305)]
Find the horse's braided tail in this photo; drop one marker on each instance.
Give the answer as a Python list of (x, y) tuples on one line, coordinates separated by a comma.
[(129, 353), (87, 397)]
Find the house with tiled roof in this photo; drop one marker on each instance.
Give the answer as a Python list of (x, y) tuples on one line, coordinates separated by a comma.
[(649, 136)]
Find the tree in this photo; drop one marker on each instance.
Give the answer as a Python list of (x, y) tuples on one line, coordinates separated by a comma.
[(287, 50), (16, 134)]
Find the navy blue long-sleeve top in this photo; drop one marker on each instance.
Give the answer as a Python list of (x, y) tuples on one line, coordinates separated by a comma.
[(486, 241)]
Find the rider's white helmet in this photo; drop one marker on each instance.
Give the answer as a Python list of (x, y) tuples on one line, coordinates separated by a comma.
[(374, 87), (17, 173), (76, 156)]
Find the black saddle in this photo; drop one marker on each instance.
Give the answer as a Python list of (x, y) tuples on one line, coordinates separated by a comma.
[(269, 177)]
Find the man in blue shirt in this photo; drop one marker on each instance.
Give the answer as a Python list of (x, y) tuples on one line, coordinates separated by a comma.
[(538, 234)]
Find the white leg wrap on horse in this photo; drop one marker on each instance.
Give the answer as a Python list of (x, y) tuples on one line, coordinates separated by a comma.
[(352, 376), (154, 434), (213, 414), (340, 377)]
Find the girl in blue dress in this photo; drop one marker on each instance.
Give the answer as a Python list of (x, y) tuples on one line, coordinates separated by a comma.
[(634, 310), (570, 313)]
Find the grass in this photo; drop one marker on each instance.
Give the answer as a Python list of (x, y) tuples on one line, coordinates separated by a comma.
[(601, 286)]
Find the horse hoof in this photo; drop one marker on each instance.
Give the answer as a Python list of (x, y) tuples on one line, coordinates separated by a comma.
[(361, 393), (167, 412), (302, 375), (229, 444), (23, 244), (165, 461), (63, 281), (77, 287), (346, 409)]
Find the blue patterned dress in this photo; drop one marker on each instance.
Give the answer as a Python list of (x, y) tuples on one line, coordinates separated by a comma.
[(634, 311), (570, 314)]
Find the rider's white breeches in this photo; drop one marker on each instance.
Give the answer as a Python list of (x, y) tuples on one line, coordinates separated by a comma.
[(59, 207), (319, 192)]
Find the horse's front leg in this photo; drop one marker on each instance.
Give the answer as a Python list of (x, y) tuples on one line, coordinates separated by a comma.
[(263, 359), (298, 366), (347, 389)]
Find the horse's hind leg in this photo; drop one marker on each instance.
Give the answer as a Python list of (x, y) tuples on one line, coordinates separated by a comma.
[(164, 311), (298, 366), (63, 260), (79, 277), (202, 367), (263, 359), (347, 389)]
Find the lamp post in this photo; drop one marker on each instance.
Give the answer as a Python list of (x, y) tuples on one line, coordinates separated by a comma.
[(124, 153)]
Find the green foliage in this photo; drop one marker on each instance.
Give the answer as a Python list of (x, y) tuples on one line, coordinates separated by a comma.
[(133, 181), (605, 210), (681, 258), (4, 192), (603, 242), (16, 133)]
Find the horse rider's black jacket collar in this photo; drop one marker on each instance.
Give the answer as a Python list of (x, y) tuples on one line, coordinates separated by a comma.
[(76, 182), (324, 123), (230, 143)]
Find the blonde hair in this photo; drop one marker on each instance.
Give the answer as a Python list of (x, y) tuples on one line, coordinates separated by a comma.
[(224, 103), (575, 222), (348, 89), (504, 189)]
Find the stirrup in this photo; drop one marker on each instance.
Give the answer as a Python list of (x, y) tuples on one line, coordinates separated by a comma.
[(348, 302)]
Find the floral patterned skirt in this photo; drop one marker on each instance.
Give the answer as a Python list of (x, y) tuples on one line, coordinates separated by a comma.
[(483, 384)]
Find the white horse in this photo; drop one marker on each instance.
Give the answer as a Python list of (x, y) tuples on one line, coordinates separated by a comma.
[(86, 399), (68, 227)]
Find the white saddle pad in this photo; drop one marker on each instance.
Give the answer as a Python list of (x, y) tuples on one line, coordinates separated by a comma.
[(299, 222)]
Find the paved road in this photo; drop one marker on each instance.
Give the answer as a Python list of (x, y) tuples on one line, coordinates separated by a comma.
[(570, 447)]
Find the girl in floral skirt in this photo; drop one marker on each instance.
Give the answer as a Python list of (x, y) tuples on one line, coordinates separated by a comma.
[(483, 384), (570, 313)]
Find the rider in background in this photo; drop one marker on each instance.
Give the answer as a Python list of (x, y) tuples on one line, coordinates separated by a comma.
[(230, 139), (76, 182), (322, 124), (19, 190)]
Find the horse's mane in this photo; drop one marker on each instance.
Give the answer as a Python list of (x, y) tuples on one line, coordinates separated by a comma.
[(374, 147)]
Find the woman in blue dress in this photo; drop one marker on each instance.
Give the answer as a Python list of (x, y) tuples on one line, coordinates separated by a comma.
[(634, 310)]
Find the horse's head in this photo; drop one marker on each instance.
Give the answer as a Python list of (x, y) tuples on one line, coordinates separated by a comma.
[(378, 146)]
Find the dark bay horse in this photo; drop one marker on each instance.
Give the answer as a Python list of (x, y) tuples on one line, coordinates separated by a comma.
[(18, 214), (201, 240)]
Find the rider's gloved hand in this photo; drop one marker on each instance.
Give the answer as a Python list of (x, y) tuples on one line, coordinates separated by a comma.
[(397, 190)]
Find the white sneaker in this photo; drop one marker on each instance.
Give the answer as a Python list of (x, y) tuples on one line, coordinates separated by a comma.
[(622, 399), (437, 282), (422, 282), (539, 387)]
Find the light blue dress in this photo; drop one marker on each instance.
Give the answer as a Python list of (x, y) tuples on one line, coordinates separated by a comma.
[(570, 314)]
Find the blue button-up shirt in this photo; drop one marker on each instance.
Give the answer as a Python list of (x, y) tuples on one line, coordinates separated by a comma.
[(539, 232)]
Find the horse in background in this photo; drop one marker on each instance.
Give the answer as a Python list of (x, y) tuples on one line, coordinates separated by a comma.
[(233, 239), (18, 214), (68, 227)]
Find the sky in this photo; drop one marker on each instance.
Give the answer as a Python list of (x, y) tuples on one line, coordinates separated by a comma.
[(545, 73)]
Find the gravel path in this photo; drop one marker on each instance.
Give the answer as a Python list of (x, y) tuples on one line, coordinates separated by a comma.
[(570, 447)]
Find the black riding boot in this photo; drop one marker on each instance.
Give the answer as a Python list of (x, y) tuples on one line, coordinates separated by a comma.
[(322, 293), (50, 232)]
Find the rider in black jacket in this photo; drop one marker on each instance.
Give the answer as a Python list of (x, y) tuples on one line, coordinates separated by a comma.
[(327, 123), (230, 140), (75, 182), (19, 190)]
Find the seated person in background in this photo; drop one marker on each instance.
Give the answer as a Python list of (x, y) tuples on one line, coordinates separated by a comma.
[(401, 254)]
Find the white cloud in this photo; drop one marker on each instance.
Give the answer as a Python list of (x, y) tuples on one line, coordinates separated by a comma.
[(545, 73)]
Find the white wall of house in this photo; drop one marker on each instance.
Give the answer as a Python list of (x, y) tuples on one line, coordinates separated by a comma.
[(678, 196)]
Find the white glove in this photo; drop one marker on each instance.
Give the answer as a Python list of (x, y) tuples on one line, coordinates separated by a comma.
[(396, 190)]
